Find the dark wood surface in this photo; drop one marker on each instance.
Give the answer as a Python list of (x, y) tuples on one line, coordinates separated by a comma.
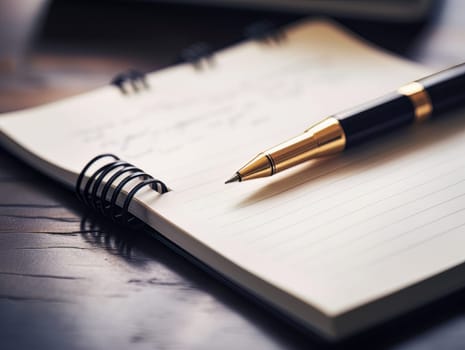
[(68, 280)]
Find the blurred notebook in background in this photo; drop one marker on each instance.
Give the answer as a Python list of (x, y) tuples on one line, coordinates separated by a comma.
[(386, 10)]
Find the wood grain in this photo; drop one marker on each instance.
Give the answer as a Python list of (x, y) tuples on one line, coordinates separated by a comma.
[(70, 280)]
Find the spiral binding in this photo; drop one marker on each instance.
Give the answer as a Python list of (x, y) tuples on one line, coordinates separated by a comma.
[(133, 78), (117, 175), (264, 31), (200, 55)]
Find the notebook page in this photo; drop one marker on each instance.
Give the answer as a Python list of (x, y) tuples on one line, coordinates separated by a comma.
[(313, 230), (368, 223)]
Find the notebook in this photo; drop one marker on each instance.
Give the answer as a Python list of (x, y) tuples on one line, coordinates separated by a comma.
[(336, 245), (399, 10)]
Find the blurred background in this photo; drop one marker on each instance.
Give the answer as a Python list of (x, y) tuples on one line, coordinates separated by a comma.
[(51, 49)]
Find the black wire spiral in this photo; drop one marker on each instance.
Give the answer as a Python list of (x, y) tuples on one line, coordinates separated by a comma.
[(95, 191), (265, 31), (133, 78)]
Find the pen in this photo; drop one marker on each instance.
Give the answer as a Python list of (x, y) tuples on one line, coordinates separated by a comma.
[(413, 102)]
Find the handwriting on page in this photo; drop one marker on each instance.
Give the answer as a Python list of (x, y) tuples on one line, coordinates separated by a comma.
[(166, 121)]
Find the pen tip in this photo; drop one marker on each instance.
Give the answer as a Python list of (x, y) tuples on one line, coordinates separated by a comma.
[(235, 178)]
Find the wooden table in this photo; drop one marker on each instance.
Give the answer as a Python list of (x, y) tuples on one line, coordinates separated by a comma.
[(68, 280)]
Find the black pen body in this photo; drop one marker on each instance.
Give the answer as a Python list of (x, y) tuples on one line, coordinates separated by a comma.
[(446, 89), (376, 117), (428, 97)]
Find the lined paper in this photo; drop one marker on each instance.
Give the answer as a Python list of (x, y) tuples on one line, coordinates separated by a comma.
[(373, 221), (337, 232)]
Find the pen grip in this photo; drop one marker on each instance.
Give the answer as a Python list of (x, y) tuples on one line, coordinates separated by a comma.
[(446, 89), (376, 117)]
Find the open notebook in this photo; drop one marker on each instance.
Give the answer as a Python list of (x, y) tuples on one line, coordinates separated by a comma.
[(337, 245)]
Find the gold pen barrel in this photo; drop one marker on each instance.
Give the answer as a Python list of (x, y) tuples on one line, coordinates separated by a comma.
[(322, 139)]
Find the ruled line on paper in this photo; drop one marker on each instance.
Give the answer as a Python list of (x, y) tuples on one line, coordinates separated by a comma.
[(344, 164), (440, 169), (342, 216), (426, 224), (417, 244), (358, 272), (325, 173), (347, 265), (313, 214), (338, 248), (348, 257), (335, 251), (204, 172), (251, 214), (261, 225), (291, 242), (307, 245)]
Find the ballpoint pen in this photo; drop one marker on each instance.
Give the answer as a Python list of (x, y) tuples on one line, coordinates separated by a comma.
[(416, 101)]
